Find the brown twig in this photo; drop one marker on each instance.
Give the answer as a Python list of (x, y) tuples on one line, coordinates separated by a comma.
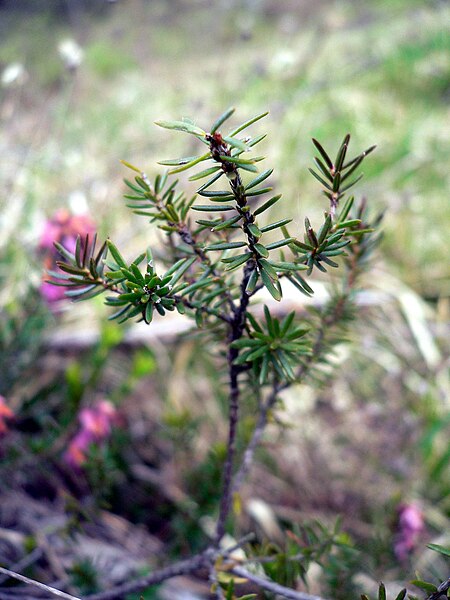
[(25, 562), (237, 328), (184, 567), (218, 150), (247, 458), (209, 311), (271, 586), (38, 584)]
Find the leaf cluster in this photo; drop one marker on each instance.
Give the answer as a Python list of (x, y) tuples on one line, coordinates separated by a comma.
[(239, 198), (335, 176), (158, 201), (207, 255), (273, 346), (307, 543), (135, 293), (382, 594), (82, 271), (433, 592), (215, 265)]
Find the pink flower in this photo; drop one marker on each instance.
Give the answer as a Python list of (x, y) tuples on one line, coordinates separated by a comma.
[(410, 525), (64, 228), (95, 426), (51, 293), (6, 414), (50, 234), (98, 420), (76, 453), (410, 518)]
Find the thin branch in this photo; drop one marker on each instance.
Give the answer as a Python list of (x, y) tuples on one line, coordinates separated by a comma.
[(258, 432), (237, 328), (25, 562), (184, 567), (206, 309), (271, 586), (38, 584), (218, 150), (244, 540), (18, 595)]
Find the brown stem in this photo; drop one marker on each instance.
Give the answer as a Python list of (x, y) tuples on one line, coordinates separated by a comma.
[(271, 586), (184, 567), (237, 329), (47, 588), (247, 459), (205, 309), (218, 149)]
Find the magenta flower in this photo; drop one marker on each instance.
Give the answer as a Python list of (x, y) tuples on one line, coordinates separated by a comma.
[(76, 454), (96, 424), (98, 420), (410, 526), (6, 414)]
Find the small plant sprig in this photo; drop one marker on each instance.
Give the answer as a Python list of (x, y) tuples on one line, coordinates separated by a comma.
[(338, 173), (219, 253)]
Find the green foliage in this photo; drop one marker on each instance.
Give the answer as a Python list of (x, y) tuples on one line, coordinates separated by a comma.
[(206, 278), (319, 248), (84, 576), (229, 589), (64, 393), (140, 294), (395, 57), (382, 594), (433, 592), (307, 544), (275, 347), (22, 330), (203, 480), (439, 549), (338, 172), (213, 268)]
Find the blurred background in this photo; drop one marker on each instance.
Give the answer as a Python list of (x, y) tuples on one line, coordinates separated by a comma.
[(82, 82)]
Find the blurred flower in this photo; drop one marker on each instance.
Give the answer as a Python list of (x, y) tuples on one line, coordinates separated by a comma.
[(98, 420), (71, 53), (76, 453), (96, 424), (14, 74), (64, 228), (6, 414), (410, 525)]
